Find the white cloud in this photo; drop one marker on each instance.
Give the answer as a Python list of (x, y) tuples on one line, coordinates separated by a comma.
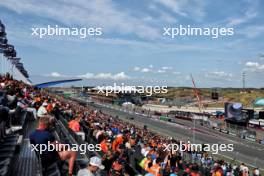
[(161, 71), (87, 76), (250, 13), (187, 8), (175, 6), (236, 21), (166, 68), (219, 75), (167, 18), (55, 75), (120, 76), (145, 70), (117, 76), (103, 13), (163, 16), (136, 68), (254, 66)]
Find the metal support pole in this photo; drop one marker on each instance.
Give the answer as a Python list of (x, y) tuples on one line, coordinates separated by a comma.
[(193, 131), (2, 67)]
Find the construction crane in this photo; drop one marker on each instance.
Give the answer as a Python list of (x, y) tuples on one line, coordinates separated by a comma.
[(196, 93)]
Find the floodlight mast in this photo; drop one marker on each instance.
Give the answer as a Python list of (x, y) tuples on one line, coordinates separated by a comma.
[(244, 80)]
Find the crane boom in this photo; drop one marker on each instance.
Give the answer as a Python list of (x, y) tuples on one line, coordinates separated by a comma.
[(196, 93)]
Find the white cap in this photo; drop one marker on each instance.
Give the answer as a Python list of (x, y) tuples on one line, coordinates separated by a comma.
[(96, 161), (2, 85), (45, 104)]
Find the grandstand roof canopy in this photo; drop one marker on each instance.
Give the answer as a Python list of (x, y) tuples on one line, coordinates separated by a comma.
[(52, 83)]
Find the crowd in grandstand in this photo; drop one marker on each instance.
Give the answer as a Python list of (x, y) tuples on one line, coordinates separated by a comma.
[(14, 98), (119, 140)]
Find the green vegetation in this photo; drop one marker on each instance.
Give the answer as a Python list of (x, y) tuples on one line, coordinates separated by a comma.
[(246, 97)]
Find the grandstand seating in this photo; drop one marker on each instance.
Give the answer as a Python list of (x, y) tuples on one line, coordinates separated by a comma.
[(9, 146), (13, 131), (16, 156), (69, 137), (89, 139)]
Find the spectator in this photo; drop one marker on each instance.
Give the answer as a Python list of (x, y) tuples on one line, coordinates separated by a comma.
[(42, 111), (74, 125), (104, 144), (25, 104), (49, 107), (95, 164), (256, 172), (155, 169), (118, 140), (116, 169), (244, 170), (42, 136), (146, 162)]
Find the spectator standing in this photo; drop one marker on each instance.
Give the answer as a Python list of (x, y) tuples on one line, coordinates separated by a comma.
[(41, 136)]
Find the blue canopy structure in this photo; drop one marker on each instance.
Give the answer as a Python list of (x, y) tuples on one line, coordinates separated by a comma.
[(52, 83)]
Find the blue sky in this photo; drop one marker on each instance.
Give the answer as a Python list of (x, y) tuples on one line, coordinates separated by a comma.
[(132, 48)]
